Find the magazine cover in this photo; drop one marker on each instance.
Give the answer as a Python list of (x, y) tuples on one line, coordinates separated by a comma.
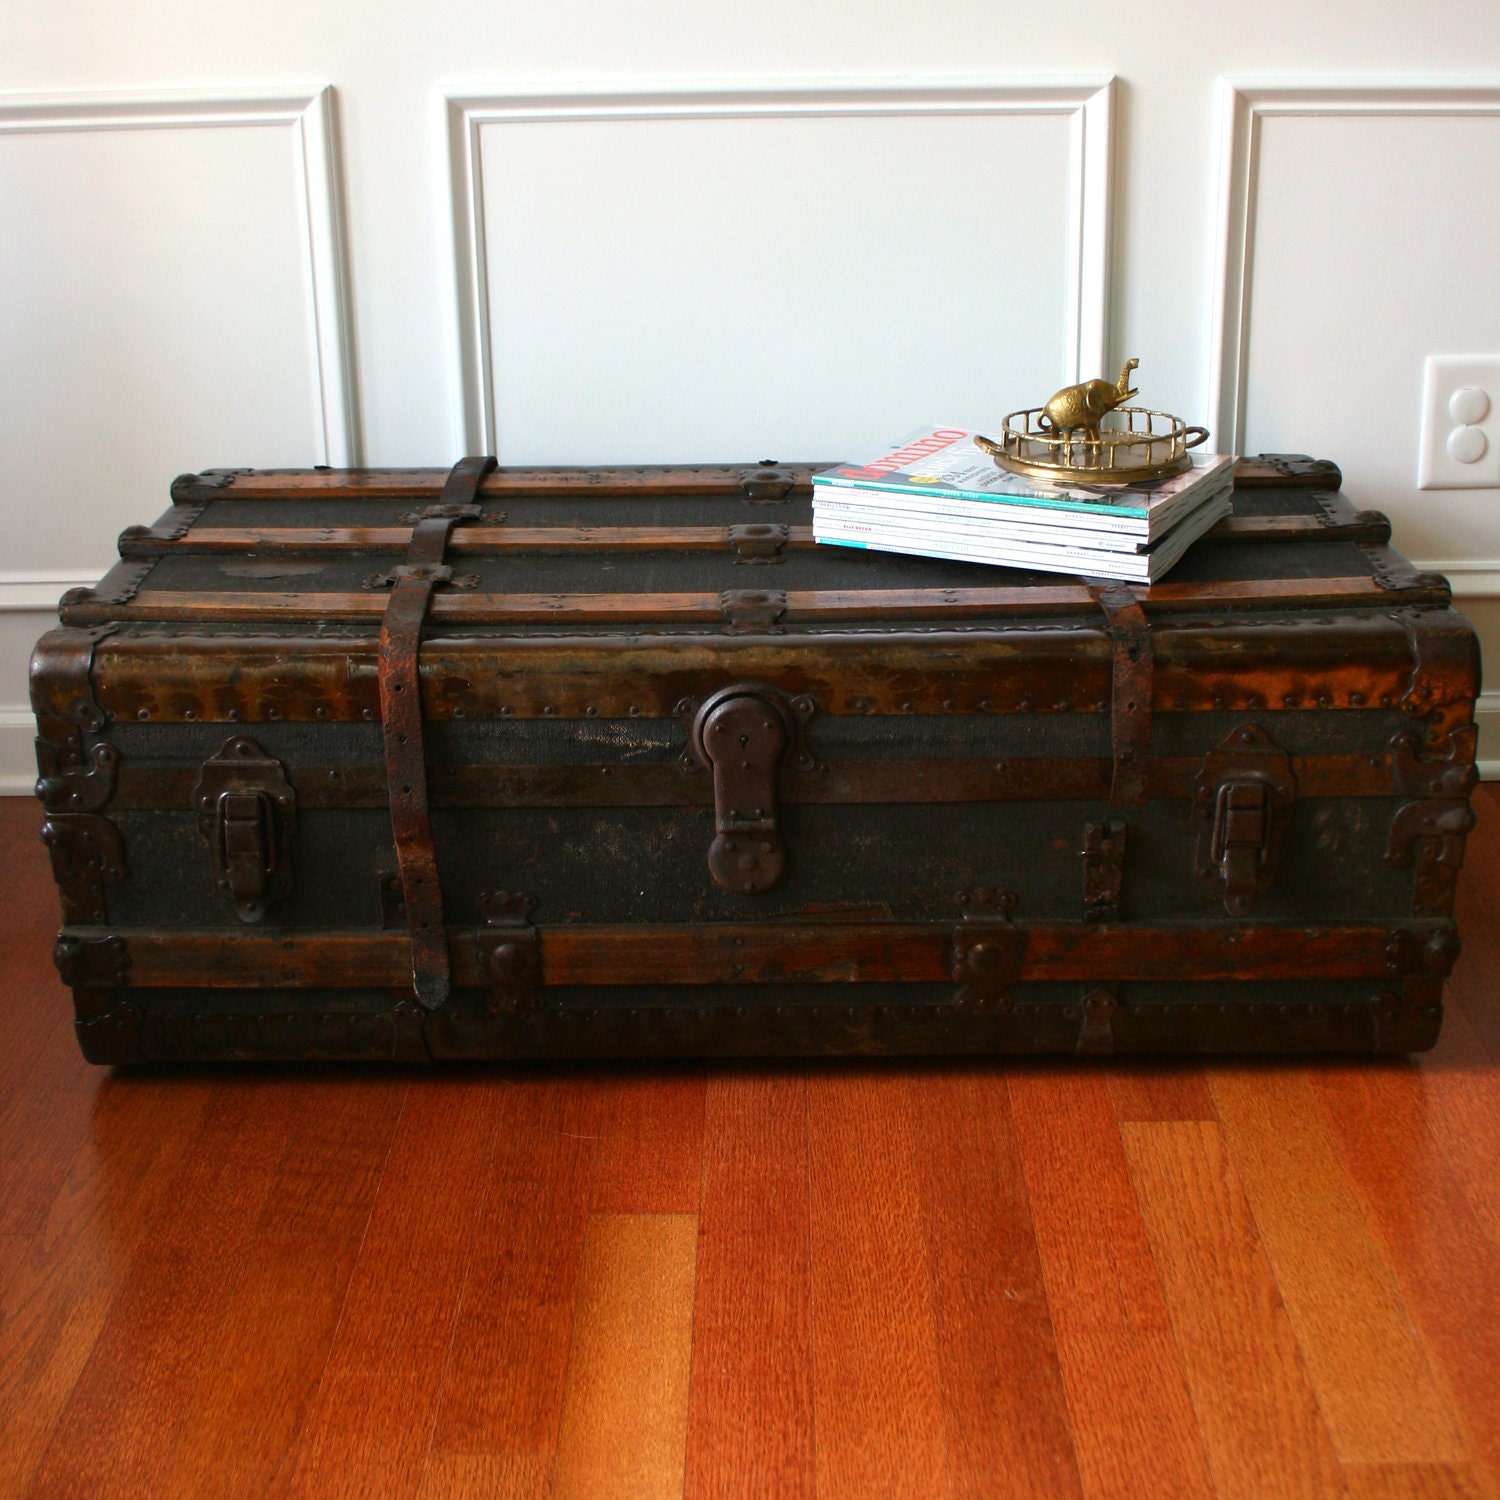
[(946, 461)]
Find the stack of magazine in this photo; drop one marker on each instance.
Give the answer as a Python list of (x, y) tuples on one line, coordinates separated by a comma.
[(938, 494)]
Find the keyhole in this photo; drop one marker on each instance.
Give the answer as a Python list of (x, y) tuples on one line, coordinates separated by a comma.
[(744, 740)]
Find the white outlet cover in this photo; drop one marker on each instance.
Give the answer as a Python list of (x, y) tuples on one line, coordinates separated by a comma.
[(1443, 375)]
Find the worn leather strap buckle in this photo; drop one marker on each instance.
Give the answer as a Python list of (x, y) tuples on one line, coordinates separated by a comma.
[(412, 584), (1131, 687)]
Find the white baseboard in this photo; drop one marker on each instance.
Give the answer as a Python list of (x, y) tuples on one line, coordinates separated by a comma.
[(17, 752), (1470, 577)]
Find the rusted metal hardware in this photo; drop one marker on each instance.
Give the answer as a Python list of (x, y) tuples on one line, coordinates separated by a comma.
[(1422, 952), (988, 949), (508, 951), (62, 696), (1392, 572), (85, 849), (760, 543), (743, 734), (190, 489), (147, 541), (1243, 802), (1431, 835), (412, 585), (749, 610), (1283, 470), (1336, 513), (1132, 684), (118, 586), (1430, 832), (110, 1035), (1445, 674), (1103, 870), (767, 484), (92, 963), (1096, 1036), (455, 510), (1454, 775), (408, 1033), (81, 786), (72, 779), (247, 811)]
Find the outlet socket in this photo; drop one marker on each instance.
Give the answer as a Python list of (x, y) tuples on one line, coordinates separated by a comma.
[(1457, 454)]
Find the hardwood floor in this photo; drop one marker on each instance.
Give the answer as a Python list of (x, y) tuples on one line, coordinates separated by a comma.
[(1049, 1279)]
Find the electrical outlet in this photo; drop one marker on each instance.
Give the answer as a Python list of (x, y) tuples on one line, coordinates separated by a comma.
[(1460, 423)]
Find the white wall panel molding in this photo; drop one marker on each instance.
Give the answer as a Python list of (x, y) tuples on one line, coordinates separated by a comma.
[(17, 755), (1085, 102), (39, 589), (1243, 103), (1471, 577), (310, 117), (1487, 716)]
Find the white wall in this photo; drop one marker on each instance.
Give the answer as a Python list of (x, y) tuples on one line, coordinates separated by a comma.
[(296, 232)]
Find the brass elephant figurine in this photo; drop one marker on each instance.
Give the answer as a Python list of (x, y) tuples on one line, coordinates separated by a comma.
[(1078, 408)]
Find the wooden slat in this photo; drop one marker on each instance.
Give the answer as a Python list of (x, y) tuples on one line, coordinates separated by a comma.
[(1133, 1425), (14, 1250), (635, 479), (1478, 910), (877, 1380), (118, 1431), (466, 541), (801, 605), (502, 1387), (651, 1143), (45, 1119), (624, 1419), (482, 540), (750, 1416), (1259, 1416), (1463, 1115), (769, 953), (1352, 661), (1414, 1482), (1373, 1383), (1160, 1090), (1006, 1409), (875, 952), (245, 1416), (600, 483), (1445, 1264), (43, 1091), (370, 1426), (58, 1298)]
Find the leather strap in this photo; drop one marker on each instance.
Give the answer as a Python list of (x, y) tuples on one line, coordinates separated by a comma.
[(401, 715), (1130, 694)]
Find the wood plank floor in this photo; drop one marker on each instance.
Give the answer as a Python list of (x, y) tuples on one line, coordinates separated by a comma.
[(971, 1279)]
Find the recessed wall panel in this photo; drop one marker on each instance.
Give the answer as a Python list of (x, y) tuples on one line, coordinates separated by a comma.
[(740, 288), (157, 315), (1373, 246)]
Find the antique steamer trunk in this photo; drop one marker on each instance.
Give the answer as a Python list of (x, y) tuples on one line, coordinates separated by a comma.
[(521, 763)]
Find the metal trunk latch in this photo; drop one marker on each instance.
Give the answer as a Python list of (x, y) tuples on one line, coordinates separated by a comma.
[(510, 952), (247, 811), (742, 734), (1244, 795), (988, 949)]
